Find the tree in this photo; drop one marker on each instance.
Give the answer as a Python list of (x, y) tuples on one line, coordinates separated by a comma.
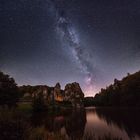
[(9, 93), (39, 103)]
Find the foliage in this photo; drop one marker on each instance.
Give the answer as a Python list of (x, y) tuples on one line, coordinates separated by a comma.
[(88, 101), (125, 92), (13, 125), (9, 93)]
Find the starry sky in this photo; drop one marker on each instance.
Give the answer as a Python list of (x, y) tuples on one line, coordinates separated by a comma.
[(87, 41)]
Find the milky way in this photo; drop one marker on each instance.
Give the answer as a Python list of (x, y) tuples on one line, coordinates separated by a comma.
[(87, 41), (65, 29)]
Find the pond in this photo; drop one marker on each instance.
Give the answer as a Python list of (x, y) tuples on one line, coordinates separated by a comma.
[(92, 123)]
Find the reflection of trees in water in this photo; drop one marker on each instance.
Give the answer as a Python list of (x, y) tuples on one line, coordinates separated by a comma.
[(75, 124), (127, 119), (73, 121)]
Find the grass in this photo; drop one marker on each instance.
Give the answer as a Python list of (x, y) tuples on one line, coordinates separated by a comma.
[(27, 108), (41, 134)]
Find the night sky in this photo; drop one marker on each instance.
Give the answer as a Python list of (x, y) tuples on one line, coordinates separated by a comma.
[(87, 41)]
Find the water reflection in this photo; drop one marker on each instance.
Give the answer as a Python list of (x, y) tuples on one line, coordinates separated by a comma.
[(117, 122), (125, 119), (92, 122), (75, 124), (72, 122)]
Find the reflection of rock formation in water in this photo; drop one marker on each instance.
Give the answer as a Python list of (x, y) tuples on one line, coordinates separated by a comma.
[(55, 123), (75, 124), (52, 123), (73, 121), (127, 119)]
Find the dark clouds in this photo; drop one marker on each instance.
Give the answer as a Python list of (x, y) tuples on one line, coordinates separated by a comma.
[(32, 52)]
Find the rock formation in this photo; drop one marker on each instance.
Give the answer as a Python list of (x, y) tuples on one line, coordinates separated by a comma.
[(72, 93), (58, 96)]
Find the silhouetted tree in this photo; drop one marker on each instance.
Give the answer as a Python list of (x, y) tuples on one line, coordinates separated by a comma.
[(9, 93), (125, 92), (39, 103)]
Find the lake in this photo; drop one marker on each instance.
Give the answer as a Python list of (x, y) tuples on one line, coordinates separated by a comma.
[(92, 123)]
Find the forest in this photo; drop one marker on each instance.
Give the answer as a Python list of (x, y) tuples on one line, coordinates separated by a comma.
[(125, 92)]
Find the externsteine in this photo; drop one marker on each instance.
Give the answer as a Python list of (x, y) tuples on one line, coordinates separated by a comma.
[(72, 93)]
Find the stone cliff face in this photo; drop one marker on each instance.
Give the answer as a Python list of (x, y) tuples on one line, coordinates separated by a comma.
[(72, 93), (58, 96)]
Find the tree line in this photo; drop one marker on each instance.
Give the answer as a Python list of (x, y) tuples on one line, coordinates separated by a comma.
[(125, 92)]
